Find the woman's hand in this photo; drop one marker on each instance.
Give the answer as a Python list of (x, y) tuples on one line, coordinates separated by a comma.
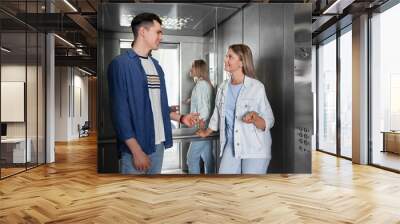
[(250, 117), (253, 118), (202, 124), (204, 132)]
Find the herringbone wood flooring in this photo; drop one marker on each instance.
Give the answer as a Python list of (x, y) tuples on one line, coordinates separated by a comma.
[(70, 191)]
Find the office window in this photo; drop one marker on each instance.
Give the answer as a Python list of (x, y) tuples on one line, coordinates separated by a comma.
[(346, 93), (385, 88), (327, 96)]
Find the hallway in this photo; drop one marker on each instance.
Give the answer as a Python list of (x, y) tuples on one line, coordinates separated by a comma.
[(71, 191)]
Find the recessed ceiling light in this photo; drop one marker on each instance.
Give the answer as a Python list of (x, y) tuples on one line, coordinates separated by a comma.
[(65, 41), (175, 23), (70, 5), (5, 50), (84, 71), (337, 7)]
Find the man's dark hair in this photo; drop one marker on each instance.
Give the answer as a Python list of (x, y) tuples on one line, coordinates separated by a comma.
[(143, 19)]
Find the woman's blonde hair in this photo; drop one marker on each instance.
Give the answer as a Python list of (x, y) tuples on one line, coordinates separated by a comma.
[(245, 55), (200, 70)]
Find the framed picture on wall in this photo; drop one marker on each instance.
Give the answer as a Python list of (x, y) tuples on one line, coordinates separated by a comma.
[(12, 101)]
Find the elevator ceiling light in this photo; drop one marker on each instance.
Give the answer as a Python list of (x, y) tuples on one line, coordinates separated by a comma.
[(125, 20), (175, 23), (5, 50), (338, 6), (170, 23), (70, 5), (65, 41)]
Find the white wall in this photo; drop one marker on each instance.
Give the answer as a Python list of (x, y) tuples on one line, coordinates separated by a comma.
[(33, 126), (79, 117), (14, 73), (71, 87), (17, 73)]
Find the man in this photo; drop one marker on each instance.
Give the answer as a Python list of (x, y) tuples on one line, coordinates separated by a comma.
[(139, 103)]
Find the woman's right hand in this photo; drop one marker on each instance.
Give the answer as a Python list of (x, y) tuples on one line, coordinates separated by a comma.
[(204, 132)]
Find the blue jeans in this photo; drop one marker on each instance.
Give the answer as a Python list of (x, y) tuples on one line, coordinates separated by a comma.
[(156, 159), (231, 165), (200, 150)]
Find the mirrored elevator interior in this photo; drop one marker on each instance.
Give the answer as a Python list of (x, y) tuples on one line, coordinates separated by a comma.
[(279, 36)]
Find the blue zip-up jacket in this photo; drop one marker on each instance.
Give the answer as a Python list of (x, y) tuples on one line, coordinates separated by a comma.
[(131, 111)]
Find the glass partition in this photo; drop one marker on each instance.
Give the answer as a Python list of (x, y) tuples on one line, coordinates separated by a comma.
[(32, 98), (22, 88), (327, 96), (346, 93), (385, 89), (15, 151)]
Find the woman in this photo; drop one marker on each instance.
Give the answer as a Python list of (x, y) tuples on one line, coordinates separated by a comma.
[(200, 102), (243, 115)]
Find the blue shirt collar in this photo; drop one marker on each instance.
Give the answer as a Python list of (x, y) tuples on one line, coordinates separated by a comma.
[(132, 54)]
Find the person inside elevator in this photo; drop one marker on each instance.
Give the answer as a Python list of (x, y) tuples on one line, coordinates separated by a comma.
[(201, 102), (139, 104), (243, 116)]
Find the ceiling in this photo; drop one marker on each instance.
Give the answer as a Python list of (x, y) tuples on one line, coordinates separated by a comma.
[(76, 20), (197, 19)]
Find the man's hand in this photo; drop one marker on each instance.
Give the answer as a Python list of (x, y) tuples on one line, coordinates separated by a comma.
[(174, 108), (250, 117), (141, 161), (190, 119)]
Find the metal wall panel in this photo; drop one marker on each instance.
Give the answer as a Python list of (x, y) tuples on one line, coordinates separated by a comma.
[(303, 97), (229, 32), (280, 38), (272, 75), (107, 49), (251, 31)]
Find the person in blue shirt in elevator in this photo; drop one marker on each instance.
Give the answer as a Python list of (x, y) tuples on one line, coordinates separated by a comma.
[(139, 104), (201, 102), (243, 116)]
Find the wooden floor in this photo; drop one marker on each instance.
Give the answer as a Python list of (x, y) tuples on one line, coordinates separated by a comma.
[(387, 159), (70, 191), (5, 172)]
